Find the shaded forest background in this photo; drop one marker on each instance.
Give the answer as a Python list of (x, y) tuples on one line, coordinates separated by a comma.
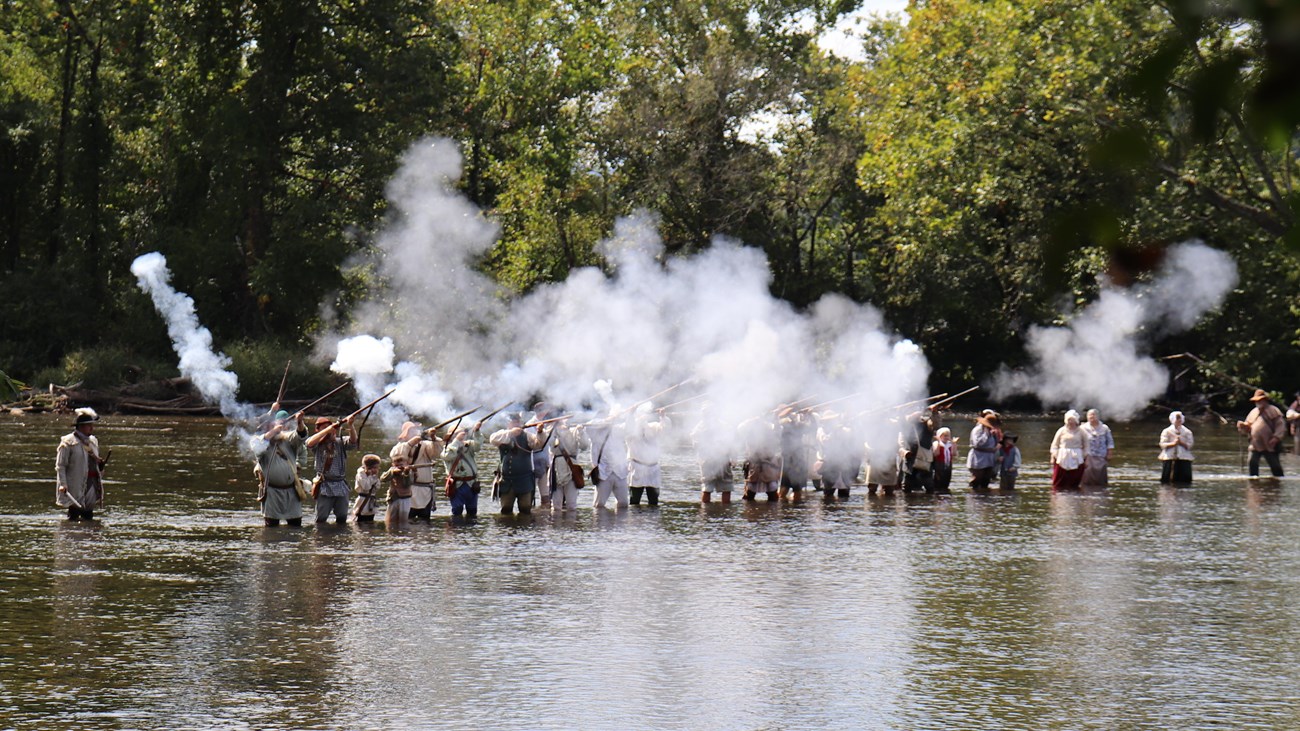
[(970, 176)]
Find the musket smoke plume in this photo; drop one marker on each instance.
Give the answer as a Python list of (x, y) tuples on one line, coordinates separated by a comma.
[(644, 326), (1099, 359), (192, 342)]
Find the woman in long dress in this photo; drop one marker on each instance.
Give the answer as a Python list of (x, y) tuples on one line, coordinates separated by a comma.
[(1068, 448), (1176, 452)]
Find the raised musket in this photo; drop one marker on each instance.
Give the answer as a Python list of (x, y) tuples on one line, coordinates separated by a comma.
[(434, 429), (532, 424), (948, 401), (334, 425), (284, 380), (306, 408)]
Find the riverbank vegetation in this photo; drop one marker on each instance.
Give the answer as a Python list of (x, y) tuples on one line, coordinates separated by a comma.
[(971, 175)]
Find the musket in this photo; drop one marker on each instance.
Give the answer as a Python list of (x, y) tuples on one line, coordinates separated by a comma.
[(497, 411), (457, 417), (532, 424), (284, 380), (953, 398), (334, 425), (685, 400), (793, 404), (304, 409), (365, 419), (652, 398), (814, 407), (902, 405)]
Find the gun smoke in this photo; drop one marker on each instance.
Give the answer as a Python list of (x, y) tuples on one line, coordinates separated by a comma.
[(206, 368), (1099, 360), (643, 324)]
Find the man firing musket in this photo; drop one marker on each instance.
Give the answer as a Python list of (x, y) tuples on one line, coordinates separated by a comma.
[(330, 488), (279, 488), (515, 481), (564, 475)]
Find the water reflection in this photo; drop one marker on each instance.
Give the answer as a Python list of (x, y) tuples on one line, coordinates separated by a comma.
[(1124, 608)]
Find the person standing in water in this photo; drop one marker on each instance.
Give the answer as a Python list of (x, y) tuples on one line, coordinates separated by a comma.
[(79, 469), (1176, 452)]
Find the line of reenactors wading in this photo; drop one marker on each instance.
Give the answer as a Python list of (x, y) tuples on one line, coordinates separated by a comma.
[(786, 450)]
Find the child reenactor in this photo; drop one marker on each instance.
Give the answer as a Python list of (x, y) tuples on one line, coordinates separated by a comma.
[(366, 487), (398, 479)]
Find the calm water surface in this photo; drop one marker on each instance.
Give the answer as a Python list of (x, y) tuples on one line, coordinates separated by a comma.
[(1141, 607)]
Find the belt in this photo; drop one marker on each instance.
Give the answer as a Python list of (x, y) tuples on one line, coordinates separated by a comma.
[(646, 464)]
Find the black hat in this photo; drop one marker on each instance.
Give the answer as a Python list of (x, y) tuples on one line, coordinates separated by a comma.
[(86, 416)]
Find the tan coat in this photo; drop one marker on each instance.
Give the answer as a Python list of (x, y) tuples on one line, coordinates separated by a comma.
[(1266, 427), (71, 469)]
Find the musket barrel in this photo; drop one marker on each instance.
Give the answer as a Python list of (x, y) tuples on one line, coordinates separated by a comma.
[(306, 408), (532, 424), (457, 417), (284, 380)]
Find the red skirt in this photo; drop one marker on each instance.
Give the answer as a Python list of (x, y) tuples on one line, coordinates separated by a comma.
[(1063, 479)]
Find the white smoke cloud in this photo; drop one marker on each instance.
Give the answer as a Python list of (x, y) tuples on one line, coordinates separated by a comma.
[(205, 367), (599, 338), (192, 342), (1099, 359)]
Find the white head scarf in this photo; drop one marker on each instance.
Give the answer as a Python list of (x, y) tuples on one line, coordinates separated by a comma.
[(1072, 413), (1174, 416)]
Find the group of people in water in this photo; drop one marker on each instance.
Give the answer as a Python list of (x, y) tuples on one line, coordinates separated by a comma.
[(784, 453)]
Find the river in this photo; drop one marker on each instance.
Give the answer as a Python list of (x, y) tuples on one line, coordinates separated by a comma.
[(1139, 607)]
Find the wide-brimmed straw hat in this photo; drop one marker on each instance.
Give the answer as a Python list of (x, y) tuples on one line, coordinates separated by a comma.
[(1260, 395), (410, 430)]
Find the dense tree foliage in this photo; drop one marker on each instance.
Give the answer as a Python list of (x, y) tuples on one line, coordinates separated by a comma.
[(984, 159)]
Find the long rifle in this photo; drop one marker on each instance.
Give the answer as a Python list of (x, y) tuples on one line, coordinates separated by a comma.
[(284, 380), (365, 419), (683, 401), (793, 404), (950, 399), (457, 417), (902, 405), (304, 409), (651, 398), (814, 407), (497, 411), (532, 424), (335, 424)]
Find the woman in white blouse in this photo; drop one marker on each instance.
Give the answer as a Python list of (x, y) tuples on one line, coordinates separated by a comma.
[(1176, 452), (1068, 448)]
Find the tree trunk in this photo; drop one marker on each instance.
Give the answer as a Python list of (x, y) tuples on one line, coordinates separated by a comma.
[(54, 245)]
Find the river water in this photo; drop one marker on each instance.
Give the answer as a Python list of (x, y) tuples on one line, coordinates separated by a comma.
[(1137, 607)]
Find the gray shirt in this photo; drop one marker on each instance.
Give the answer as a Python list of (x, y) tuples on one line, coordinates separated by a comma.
[(334, 481)]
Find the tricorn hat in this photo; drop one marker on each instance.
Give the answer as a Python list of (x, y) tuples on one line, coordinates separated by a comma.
[(1260, 395), (86, 415), (410, 430)]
